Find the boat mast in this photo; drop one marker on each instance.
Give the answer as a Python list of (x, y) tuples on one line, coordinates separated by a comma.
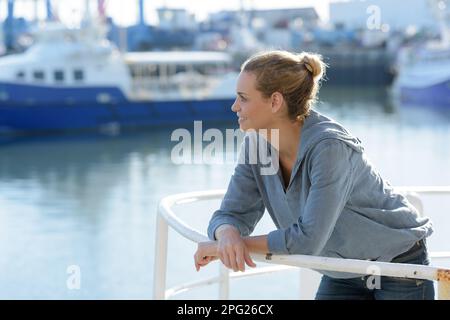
[(141, 13), (48, 5), (8, 27), (439, 10)]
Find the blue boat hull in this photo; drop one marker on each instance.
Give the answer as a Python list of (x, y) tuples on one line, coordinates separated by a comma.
[(92, 115), (434, 95), (32, 108)]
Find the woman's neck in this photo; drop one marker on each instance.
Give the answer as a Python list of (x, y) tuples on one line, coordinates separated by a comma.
[(288, 139)]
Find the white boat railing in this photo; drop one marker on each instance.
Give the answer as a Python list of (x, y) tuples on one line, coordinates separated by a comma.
[(167, 217)]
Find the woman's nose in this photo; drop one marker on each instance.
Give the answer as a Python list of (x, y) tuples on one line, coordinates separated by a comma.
[(235, 107)]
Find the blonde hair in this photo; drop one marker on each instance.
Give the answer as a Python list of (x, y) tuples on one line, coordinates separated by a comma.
[(296, 76)]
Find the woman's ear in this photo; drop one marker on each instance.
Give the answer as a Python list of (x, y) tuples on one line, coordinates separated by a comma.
[(277, 101)]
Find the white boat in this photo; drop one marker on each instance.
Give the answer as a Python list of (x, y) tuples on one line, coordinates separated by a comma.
[(76, 79), (423, 73)]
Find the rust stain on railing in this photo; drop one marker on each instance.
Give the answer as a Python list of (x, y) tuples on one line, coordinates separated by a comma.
[(443, 277)]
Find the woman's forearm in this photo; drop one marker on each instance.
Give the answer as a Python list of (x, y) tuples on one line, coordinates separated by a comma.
[(257, 244)]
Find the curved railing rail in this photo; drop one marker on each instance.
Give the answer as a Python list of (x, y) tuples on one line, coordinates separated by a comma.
[(167, 217)]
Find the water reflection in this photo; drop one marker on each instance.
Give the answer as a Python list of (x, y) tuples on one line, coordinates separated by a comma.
[(357, 97)]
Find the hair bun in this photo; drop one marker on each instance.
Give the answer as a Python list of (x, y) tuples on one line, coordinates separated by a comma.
[(314, 64), (308, 66)]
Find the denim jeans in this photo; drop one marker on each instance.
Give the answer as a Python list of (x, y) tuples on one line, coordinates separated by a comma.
[(387, 288)]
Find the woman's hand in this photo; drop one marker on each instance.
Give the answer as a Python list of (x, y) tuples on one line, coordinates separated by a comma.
[(206, 252), (232, 250)]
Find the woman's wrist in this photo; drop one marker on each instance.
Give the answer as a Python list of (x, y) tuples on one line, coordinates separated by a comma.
[(209, 248), (225, 228)]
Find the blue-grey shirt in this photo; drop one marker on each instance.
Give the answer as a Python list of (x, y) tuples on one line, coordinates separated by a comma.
[(336, 203)]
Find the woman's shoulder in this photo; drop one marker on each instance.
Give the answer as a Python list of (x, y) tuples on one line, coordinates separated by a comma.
[(331, 149), (322, 132)]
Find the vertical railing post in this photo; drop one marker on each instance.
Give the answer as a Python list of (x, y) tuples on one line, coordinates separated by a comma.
[(443, 284), (160, 270), (300, 284), (224, 282), (308, 283)]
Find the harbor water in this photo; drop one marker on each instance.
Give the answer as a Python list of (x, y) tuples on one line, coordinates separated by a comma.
[(87, 202)]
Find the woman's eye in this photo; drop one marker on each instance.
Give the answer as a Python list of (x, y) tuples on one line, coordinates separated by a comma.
[(243, 99)]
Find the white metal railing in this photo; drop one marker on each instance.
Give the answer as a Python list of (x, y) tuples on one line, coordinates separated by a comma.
[(166, 217)]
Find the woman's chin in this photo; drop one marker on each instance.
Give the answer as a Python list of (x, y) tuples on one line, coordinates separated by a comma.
[(245, 126)]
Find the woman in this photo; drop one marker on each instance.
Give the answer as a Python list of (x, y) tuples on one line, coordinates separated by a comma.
[(326, 199)]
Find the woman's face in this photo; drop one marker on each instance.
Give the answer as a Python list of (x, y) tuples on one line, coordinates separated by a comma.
[(253, 110)]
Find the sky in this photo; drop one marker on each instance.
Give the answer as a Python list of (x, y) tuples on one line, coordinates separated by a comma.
[(125, 12)]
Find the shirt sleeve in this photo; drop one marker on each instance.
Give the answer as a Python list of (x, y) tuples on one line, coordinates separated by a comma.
[(242, 205), (331, 185)]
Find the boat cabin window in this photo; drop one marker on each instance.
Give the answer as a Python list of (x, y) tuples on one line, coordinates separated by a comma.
[(38, 75), (207, 68), (78, 75), (181, 68), (20, 75), (167, 70), (58, 75), (144, 71)]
